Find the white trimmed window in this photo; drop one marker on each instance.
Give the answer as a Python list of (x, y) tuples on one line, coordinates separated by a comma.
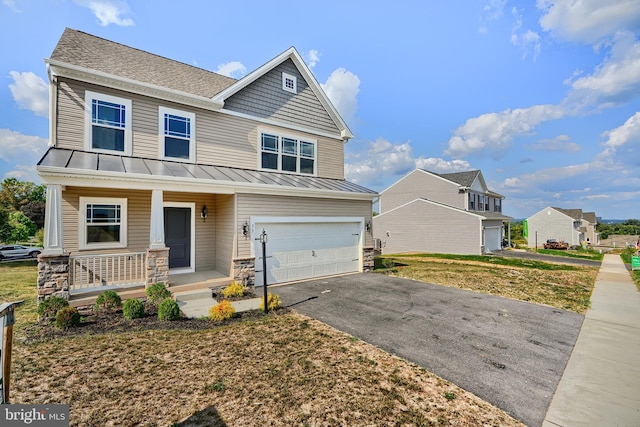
[(107, 123), (287, 154), (103, 223), (177, 134), (472, 199), (289, 83)]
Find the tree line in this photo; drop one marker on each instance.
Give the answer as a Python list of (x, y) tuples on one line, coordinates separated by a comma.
[(630, 227), (22, 207)]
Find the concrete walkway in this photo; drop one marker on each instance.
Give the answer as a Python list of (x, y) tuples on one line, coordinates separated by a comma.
[(601, 383)]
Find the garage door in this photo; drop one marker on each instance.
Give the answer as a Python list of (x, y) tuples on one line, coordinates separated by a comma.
[(303, 250), (492, 239)]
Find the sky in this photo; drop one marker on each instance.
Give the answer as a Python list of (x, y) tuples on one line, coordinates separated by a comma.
[(542, 96)]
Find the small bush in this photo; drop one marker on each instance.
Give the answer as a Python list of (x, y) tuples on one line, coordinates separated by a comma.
[(388, 263), (108, 300), (222, 311), (168, 310), (133, 309), (273, 302), (157, 293), (235, 289), (48, 309), (67, 317)]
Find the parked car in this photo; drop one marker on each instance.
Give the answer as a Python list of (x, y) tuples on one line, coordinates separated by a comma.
[(554, 244), (19, 251)]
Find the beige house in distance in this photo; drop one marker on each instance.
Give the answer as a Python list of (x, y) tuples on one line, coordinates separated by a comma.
[(161, 171), (568, 225), (453, 213)]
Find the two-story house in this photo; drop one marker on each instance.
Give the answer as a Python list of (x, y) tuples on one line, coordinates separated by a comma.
[(568, 225), (159, 171), (452, 213)]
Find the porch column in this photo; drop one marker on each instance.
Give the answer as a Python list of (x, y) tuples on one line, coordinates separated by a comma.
[(53, 221), (157, 221)]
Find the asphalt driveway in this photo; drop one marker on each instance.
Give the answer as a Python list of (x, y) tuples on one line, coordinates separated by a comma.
[(509, 353)]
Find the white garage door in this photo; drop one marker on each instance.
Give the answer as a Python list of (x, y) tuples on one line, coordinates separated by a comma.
[(492, 239), (303, 250)]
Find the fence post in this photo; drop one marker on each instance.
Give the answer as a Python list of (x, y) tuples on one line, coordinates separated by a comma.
[(8, 319)]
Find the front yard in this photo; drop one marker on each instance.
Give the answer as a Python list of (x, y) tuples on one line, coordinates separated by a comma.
[(280, 370)]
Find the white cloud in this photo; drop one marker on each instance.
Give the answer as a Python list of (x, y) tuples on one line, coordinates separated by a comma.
[(21, 153), (314, 57), (491, 10), (30, 92), (614, 81), (233, 69), (342, 88), (383, 162), (108, 11), (493, 132), (11, 4), (528, 41), (588, 21), (559, 143), (621, 147)]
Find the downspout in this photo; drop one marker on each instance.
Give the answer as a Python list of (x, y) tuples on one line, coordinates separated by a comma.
[(53, 102)]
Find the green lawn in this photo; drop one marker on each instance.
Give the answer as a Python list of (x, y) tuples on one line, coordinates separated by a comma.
[(18, 281)]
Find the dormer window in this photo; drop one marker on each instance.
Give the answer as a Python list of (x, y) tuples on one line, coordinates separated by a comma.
[(289, 83)]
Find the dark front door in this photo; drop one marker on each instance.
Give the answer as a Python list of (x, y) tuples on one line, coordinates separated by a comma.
[(177, 236)]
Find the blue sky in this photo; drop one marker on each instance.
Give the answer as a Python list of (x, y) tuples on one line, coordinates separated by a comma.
[(542, 96)]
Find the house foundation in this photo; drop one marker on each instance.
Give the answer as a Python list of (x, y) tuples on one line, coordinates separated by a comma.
[(53, 276), (244, 271), (157, 267), (368, 259)]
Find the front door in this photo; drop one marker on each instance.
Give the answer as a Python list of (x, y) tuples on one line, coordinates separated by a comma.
[(177, 236)]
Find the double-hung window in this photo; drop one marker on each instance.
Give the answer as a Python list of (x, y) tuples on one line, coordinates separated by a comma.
[(177, 134), (287, 154), (103, 223), (497, 205), (472, 204), (107, 123)]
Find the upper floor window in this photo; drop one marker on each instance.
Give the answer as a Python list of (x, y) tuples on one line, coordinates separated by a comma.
[(107, 123), (103, 223), (497, 205), (287, 154), (486, 203), (472, 200), (177, 134), (289, 83)]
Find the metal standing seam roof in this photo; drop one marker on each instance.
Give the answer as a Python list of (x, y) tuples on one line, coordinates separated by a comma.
[(62, 158)]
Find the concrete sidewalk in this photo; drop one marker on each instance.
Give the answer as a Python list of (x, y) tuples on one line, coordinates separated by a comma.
[(601, 383)]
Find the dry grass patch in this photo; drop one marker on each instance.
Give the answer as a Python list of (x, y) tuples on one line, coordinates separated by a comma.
[(560, 286), (277, 370)]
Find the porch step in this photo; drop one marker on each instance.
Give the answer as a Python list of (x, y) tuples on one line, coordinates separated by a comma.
[(197, 308), (193, 295)]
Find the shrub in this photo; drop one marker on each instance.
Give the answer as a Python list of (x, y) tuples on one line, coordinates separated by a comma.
[(157, 293), (67, 317), (168, 310), (222, 311), (133, 309), (48, 308), (235, 289), (273, 302), (108, 300)]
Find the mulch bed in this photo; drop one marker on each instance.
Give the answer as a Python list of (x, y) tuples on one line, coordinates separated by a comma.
[(112, 321)]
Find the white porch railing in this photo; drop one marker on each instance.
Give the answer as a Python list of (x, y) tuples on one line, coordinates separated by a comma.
[(102, 272)]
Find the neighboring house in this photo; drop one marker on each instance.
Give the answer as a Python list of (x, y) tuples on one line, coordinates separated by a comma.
[(568, 225), (157, 168), (452, 213)]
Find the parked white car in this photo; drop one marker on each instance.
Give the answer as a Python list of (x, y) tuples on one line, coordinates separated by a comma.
[(19, 251)]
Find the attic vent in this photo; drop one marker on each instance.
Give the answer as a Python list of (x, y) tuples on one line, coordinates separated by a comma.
[(289, 83)]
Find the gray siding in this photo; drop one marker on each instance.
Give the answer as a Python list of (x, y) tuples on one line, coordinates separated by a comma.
[(226, 232), (262, 205), (551, 224), (420, 184), (421, 226), (265, 98), (221, 139)]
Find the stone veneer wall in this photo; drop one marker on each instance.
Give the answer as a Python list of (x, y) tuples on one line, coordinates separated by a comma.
[(157, 267), (367, 259), (53, 276), (244, 271)]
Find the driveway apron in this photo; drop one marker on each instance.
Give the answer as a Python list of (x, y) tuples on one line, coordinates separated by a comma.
[(509, 353)]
